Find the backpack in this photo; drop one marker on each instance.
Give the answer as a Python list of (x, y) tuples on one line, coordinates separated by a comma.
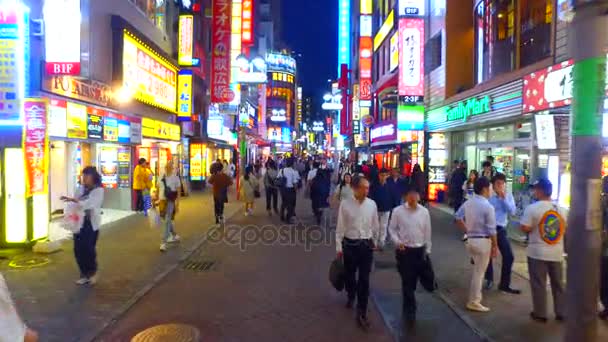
[(552, 226), (170, 195)]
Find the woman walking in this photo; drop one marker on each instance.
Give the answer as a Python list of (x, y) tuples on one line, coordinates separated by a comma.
[(468, 186), (272, 192), (90, 200), (169, 201), (344, 191), (249, 189), (419, 183)]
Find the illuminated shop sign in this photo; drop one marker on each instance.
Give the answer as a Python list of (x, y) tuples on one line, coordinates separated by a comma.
[(274, 134), (185, 37), (282, 77), (384, 132), (411, 8), (251, 72), (76, 121), (278, 115), (365, 71), (366, 7), (394, 59), (411, 53), (384, 30), (215, 126), (35, 146), (410, 117), (95, 126), (220, 52), (148, 76), (247, 22), (110, 129), (365, 26), (318, 126), (286, 136), (299, 106), (160, 130), (356, 110), (62, 36), (281, 63), (343, 33), (79, 89), (184, 91), (14, 59), (467, 108)]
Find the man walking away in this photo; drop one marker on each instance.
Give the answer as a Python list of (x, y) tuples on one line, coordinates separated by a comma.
[(546, 225), (356, 231), (476, 218), (504, 205), (319, 195), (456, 182), (288, 192), (397, 187), (140, 179), (410, 230), (221, 182), (272, 192), (381, 194)]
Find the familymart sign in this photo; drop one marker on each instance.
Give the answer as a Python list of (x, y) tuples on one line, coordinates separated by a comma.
[(467, 108)]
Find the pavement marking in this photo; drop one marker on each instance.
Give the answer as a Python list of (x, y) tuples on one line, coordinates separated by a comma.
[(169, 332), (29, 262)]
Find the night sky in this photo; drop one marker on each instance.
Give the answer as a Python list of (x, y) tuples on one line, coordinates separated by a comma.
[(310, 28)]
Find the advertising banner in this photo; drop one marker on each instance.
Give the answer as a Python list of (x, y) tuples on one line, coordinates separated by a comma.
[(220, 52), (79, 89), (365, 71), (184, 91), (247, 22), (411, 57), (56, 125), (62, 36), (95, 126), (196, 162), (548, 88), (124, 132), (160, 130), (35, 146), (124, 167), (108, 162), (76, 121), (185, 38), (110, 130), (384, 132)]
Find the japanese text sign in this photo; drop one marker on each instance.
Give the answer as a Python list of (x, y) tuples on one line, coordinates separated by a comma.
[(35, 146), (411, 55), (220, 51)]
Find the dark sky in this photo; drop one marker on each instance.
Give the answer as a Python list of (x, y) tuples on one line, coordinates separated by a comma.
[(310, 28)]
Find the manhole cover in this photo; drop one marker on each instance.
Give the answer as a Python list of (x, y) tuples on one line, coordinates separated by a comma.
[(169, 333), (29, 262), (199, 266)]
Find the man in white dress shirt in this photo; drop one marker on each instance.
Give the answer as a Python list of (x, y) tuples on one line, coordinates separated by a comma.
[(288, 192), (356, 232), (410, 231)]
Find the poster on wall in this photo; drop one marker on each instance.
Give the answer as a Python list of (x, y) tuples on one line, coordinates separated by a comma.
[(110, 130), (196, 162), (545, 132), (124, 132), (95, 126), (437, 175), (57, 119), (108, 164), (36, 146), (124, 167), (76, 121)]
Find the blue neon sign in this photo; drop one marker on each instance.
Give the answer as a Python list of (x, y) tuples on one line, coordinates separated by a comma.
[(343, 34)]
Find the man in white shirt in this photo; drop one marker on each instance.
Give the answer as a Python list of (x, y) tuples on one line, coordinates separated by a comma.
[(356, 231), (546, 225), (410, 231), (288, 192)]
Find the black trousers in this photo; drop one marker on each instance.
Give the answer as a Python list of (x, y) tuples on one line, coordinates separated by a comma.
[(218, 206), (604, 282), (139, 195), (504, 246), (358, 258), (272, 197), (288, 203), (84, 249), (410, 264)]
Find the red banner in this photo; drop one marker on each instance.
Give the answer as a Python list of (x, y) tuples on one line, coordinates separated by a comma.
[(247, 22), (220, 53), (35, 145)]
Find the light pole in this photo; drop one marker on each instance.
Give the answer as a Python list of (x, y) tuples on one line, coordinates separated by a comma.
[(587, 42)]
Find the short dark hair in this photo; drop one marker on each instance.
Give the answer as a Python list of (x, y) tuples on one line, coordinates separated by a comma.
[(141, 161), (499, 176), (490, 159), (480, 184), (486, 164), (289, 162), (383, 170), (356, 181), (92, 171)]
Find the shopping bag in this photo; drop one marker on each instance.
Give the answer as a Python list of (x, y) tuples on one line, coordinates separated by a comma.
[(337, 274), (427, 275), (73, 217), (154, 218)]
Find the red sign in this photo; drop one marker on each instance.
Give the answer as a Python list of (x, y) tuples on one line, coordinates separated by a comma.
[(411, 57), (220, 51), (548, 88), (247, 22), (63, 68), (35, 146), (344, 113), (365, 68)]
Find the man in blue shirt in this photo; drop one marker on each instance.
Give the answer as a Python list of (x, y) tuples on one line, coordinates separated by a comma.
[(504, 205), (396, 187), (476, 218)]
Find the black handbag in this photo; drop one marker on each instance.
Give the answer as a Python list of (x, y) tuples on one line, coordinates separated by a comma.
[(337, 274), (427, 275)]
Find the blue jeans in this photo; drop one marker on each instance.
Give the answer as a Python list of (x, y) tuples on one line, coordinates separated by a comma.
[(504, 246), (169, 229)]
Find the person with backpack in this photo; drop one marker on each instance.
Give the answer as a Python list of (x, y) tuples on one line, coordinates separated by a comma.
[(272, 191), (169, 205), (546, 225)]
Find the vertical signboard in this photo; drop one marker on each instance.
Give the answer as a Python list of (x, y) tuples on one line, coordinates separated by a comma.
[(394, 46), (247, 22), (220, 52), (343, 33), (184, 93), (35, 146), (411, 55), (356, 111), (185, 40), (62, 36), (365, 71), (262, 107)]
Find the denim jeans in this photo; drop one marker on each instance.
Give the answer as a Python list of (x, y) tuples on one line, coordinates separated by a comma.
[(169, 229), (504, 246)]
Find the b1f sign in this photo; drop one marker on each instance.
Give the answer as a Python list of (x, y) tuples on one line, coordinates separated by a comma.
[(62, 36)]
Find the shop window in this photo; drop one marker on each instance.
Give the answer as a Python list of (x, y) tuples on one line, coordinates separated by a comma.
[(154, 10), (500, 133), (495, 38), (482, 135), (470, 137), (535, 40), (433, 54), (523, 130)]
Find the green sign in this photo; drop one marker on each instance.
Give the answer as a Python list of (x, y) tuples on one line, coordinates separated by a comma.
[(470, 107)]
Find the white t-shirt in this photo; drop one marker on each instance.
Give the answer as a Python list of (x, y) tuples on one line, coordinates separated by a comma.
[(173, 183), (548, 245)]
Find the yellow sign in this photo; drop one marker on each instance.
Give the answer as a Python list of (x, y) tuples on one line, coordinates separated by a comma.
[(384, 30), (76, 121), (147, 76), (394, 46), (159, 130), (367, 7), (184, 102)]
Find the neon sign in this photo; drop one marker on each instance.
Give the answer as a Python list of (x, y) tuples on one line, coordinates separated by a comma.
[(384, 30), (344, 34)]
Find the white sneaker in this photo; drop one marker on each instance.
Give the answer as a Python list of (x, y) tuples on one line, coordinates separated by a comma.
[(82, 281), (477, 307), (173, 238), (163, 247), (93, 280)]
